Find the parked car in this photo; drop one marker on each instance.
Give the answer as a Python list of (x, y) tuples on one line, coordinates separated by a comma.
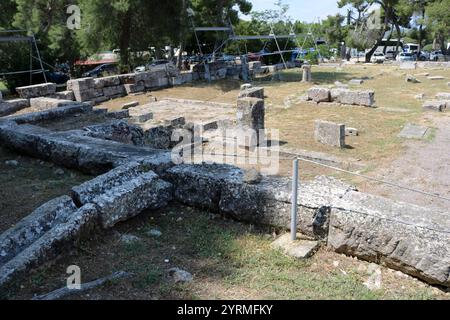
[(140, 69), (391, 55), (405, 56), (102, 71), (378, 57), (436, 55), (424, 56)]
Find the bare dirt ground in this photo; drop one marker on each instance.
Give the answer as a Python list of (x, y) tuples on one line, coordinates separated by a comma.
[(424, 165)]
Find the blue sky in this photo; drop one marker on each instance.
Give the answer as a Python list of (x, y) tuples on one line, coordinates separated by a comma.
[(303, 10)]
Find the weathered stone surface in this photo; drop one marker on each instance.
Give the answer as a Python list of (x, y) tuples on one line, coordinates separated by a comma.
[(56, 241), (443, 96), (12, 106), (140, 115), (412, 131), (129, 105), (412, 79), (250, 115), (435, 105), (351, 97), (307, 77), (134, 88), (44, 103), (318, 95), (34, 226), (115, 91), (330, 133), (246, 86), (56, 113), (253, 92), (100, 83), (436, 78), (65, 95), (180, 276), (300, 249), (75, 150), (221, 188), (124, 192), (38, 90), (401, 236), (122, 114), (175, 121), (351, 132), (159, 137), (119, 131), (356, 82)]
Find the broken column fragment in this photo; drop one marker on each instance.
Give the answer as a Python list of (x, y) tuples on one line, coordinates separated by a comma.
[(250, 115)]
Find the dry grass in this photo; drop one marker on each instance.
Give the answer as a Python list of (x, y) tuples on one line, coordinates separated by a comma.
[(229, 260)]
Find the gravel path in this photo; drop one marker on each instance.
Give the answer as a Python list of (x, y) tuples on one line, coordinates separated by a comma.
[(425, 165)]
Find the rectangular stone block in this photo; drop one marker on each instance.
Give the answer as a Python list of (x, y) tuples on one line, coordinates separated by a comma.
[(443, 96), (38, 90), (48, 103), (133, 88), (12, 106), (65, 95), (124, 193), (435, 105), (130, 105), (318, 95), (400, 236), (351, 97), (330, 133), (250, 115)]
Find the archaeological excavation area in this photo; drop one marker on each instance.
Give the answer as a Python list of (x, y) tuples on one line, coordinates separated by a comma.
[(179, 188)]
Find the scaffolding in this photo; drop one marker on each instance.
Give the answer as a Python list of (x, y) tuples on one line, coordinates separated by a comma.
[(7, 36)]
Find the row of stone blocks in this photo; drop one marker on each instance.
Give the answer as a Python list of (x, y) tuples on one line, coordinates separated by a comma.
[(344, 96), (401, 236), (441, 104)]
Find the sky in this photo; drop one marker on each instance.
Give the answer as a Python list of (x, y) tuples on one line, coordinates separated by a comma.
[(303, 10)]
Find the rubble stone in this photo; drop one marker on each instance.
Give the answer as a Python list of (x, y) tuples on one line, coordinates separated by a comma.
[(330, 133)]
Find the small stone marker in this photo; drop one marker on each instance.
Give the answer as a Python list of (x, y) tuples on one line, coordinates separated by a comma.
[(129, 105), (356, 82), (351, 132), (307, 75), (330, 133), (300, 249), (412, 131), (180, 276)]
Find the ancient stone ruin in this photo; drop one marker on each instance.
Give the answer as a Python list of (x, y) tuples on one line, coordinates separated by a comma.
[(131, 155)]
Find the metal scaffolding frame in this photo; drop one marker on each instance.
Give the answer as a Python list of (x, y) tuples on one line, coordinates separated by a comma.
[(14, 36)]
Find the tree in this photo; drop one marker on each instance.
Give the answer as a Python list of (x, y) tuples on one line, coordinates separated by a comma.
[(438, 20)]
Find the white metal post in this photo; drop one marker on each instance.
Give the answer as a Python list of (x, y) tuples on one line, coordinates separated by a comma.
[(294, 200)]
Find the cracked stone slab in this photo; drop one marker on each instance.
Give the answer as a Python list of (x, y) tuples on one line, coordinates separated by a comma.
[(401, 236), (412, 131)]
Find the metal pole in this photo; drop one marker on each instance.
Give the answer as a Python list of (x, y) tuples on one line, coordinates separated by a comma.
[(294, 200)]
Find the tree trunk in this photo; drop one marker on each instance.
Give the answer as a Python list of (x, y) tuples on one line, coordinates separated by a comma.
[(181, 34), (125, 39)]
